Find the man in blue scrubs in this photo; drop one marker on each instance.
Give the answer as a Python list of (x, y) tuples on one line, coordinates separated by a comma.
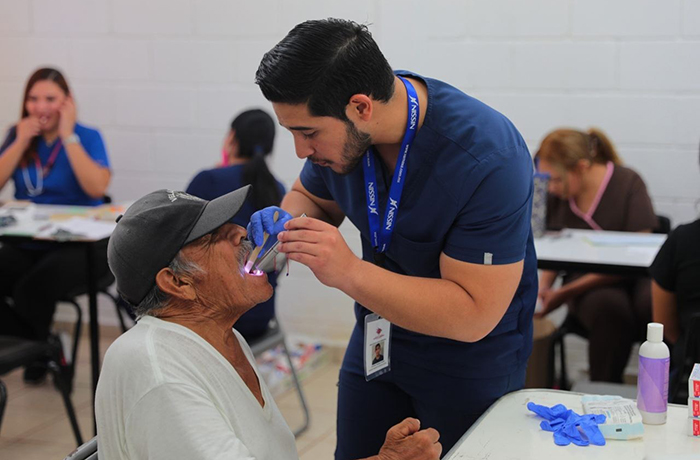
[(440, 187)]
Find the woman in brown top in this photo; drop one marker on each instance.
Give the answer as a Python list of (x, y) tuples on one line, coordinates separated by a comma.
[(590, 189)]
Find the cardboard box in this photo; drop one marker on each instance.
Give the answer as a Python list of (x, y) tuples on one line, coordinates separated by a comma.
[(694, 382), (694, 427), (694, 407)]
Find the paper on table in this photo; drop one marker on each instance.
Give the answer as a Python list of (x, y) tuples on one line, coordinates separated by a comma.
[(621, 239), (639, 251), (80, 227)]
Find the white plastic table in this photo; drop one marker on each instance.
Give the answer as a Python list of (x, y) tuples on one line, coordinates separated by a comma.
[(620, 253), (508, 430)]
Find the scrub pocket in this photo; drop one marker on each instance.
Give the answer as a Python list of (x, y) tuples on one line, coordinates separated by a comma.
[(416, 258)]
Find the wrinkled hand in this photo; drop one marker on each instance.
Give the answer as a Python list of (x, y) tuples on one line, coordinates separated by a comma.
[(321, 247), (405, 442), (66, 123), (551, 300), (27, 128), (263, 221)]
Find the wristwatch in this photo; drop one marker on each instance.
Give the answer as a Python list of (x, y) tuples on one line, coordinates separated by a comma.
[(72, 139)]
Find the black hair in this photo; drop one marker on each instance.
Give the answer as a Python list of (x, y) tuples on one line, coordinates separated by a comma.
[(322, 63), (254, 130)]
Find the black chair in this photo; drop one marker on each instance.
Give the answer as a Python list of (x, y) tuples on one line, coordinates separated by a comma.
[(272, 338), (663, 226), (87, 451), (77, 328), (71, 298), (16, 352), (103, 285), (572, 326)]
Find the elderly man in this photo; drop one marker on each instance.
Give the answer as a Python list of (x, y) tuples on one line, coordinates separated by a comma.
[(182, 383)]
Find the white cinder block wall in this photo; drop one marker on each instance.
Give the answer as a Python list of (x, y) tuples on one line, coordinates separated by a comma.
[(163, 78)]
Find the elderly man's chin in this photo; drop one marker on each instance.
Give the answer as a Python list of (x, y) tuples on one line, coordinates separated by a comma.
[(265, 291), (259, 284)]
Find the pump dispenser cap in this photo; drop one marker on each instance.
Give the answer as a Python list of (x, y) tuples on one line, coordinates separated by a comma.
[(655, 332)]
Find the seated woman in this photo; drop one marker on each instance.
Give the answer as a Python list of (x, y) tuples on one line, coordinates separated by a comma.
[(51, 159), (676, 293), (182, 383), (248, 142), (590, 189)]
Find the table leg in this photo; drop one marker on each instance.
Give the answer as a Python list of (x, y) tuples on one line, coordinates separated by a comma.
[(94, 326)]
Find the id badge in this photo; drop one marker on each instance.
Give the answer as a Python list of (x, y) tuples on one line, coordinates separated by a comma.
[(377, 346)]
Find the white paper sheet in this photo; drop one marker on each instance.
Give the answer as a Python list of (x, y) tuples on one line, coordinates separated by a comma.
[(80, 227), (613, 239)]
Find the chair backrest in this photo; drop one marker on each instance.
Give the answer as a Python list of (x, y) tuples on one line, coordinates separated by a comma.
[(664, 225), (88, 451), (270, 339)]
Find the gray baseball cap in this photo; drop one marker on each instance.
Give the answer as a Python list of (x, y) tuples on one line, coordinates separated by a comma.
[(152, 231)]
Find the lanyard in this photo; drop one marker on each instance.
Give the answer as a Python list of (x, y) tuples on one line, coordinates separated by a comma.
[(381, 235), (41, 172)]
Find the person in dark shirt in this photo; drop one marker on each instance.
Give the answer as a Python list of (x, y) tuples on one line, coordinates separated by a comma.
[(249, 140), (439, 186), (676, 291), (590, 189)]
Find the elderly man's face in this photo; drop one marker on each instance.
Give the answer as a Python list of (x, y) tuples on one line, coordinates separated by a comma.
[(226, 284)]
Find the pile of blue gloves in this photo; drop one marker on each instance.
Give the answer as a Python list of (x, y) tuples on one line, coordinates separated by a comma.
[(568, 426)]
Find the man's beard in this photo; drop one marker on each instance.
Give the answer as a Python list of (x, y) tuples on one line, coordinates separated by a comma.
[(356, 144)]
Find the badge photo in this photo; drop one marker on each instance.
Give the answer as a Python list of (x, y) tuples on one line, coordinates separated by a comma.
[(377, 346)]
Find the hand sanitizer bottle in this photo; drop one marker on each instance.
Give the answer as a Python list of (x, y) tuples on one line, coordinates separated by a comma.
[(652, 383)]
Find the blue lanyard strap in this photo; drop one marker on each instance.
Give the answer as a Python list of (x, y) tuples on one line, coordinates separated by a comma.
[(381, 235)]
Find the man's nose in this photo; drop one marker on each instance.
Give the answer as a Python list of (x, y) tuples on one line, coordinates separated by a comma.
[(303, 148)]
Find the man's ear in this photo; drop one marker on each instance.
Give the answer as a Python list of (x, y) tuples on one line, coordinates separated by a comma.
[(178, 287), (360, 108)]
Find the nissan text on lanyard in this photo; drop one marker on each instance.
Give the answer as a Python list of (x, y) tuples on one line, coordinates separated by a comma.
[(378, 329), (41, 172)]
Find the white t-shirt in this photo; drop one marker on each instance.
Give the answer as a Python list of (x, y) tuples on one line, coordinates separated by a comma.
[(166, 393)]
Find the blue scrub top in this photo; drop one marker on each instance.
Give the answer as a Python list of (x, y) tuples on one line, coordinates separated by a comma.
[(213, 183), (60, 186), (468, 193)]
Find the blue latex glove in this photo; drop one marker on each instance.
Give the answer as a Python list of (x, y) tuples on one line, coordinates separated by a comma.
[(568, 426), (262, 221), (589, 426)]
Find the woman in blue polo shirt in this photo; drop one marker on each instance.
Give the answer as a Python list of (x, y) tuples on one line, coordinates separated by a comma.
[(249, 140), (51, 159)]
